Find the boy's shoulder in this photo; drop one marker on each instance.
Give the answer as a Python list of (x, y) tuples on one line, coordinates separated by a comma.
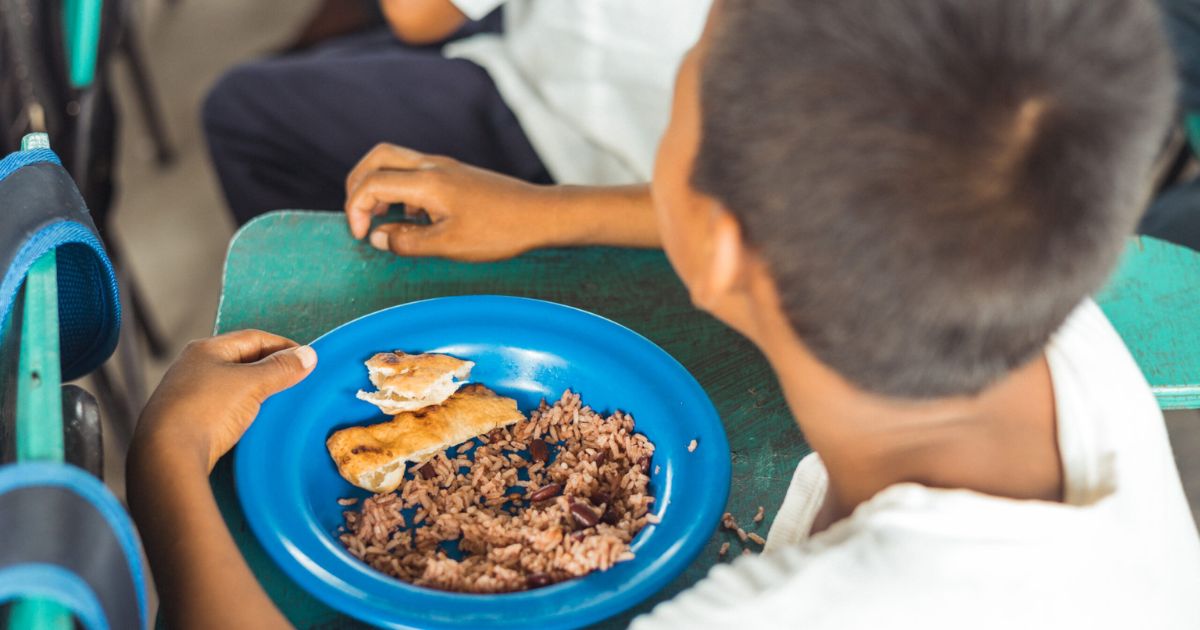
[(951, 559), (957, 558), (1099, 390), (1087, 344)]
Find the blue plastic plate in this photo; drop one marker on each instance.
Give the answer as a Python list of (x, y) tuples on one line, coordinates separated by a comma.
[(526, 349)]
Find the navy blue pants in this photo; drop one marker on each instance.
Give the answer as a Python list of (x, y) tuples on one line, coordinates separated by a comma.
[(1175, 215), (285, 132)]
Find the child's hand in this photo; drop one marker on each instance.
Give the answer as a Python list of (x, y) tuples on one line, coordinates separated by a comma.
[(213, 391), (476, 214)]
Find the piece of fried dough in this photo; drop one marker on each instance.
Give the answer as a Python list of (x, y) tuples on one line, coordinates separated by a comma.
[(374, 457), (407, 382)]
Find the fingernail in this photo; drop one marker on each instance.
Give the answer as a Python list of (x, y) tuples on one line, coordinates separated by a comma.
[(379, 240), (307, 356)]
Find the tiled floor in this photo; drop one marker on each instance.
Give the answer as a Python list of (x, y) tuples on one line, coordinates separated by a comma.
[(172, 223)]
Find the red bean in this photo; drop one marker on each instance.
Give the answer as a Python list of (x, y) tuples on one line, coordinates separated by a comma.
[(546, 492), (610, 516), (538, 450), (427, 471), (643, 463), (537, 580), (583, 515)]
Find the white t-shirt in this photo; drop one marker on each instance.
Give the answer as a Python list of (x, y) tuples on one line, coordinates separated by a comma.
[(1120, 552), (589, 80)]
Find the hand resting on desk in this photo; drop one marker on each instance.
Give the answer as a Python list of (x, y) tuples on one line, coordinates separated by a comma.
[(479, 215)]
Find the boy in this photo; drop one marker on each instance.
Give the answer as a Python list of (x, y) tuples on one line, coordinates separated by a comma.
[(904, 205)]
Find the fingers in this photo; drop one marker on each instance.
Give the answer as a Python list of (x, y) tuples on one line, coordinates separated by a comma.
[(280, 370), (379, 189), (412, 240), (384, 157), (243, 346)]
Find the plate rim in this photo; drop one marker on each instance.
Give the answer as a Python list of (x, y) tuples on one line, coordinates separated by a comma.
[(334, 592)]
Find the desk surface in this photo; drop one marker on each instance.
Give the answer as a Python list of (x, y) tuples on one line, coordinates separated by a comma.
[(298, 274)]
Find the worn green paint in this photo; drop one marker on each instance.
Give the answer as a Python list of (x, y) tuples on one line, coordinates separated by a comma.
[(38, 424), (35, 140), (1153, 300), (39, 434), (299, 274), (39, 399)]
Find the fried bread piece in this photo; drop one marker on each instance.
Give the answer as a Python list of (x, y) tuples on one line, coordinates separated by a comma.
[(407, 382), (374, 457)]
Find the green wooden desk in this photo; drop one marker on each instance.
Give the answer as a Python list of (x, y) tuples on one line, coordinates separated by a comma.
[(299, 274), (1153, 300)]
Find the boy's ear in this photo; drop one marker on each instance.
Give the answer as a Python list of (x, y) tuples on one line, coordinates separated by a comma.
[(728, 260)]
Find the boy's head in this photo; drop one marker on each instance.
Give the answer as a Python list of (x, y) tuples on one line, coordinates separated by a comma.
[(930, 186)]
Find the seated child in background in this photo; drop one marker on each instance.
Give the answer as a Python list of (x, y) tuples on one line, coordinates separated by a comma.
[(572, 91), (905, 205)]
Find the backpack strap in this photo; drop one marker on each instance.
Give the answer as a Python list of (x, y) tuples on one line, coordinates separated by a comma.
[(67, 539), (41, 210)]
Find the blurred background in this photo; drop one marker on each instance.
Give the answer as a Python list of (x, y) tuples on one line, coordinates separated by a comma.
[(166, 218)]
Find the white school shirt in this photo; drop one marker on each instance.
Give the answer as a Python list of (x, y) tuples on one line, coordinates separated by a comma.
[(589, 80), (1121, 552)]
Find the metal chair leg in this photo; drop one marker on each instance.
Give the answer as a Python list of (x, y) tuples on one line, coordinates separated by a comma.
[(156, 344), (145, 96), (125, 402), (131, 296), (112, 397), (129, 359)]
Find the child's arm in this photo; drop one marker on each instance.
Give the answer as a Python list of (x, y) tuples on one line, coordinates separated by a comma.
[(203, 405), (421, 22), (481, 215)]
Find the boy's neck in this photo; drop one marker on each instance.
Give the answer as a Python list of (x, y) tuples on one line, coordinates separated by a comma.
[(1002, 442)]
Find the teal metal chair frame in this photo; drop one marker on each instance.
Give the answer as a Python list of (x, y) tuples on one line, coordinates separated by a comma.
[(39, 420), (61, 316)]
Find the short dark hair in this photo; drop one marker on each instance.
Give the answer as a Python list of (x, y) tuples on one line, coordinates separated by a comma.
[(934, 184)]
